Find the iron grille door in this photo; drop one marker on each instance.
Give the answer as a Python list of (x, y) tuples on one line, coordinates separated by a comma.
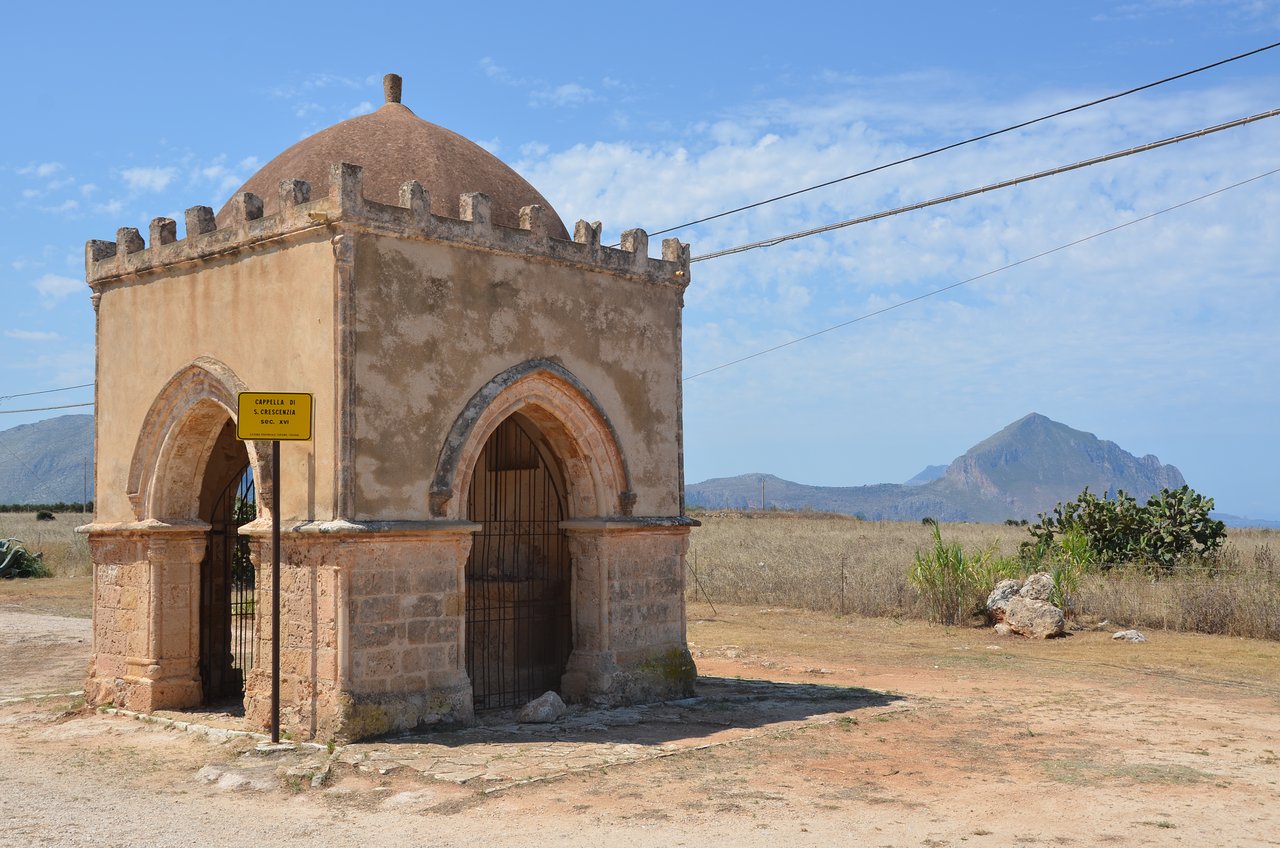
[(519, 630), (227, 593)]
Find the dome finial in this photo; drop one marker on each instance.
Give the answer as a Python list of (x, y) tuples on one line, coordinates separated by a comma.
[(391, 87)]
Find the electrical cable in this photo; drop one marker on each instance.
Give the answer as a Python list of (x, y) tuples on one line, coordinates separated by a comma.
[(983, 275), (44, 408), (3, 398), (1096, 160), (972, 140)]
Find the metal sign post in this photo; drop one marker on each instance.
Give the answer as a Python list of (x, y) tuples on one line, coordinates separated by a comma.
[(278, 416)]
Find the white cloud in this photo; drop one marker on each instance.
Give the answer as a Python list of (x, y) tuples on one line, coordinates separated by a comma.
[(364, 107), (568, 94), (149, 179), (111, 208), (33, 335), (53, 288), (541, 92), (308, 96), (319, 81), (494, 71), (66, 364), (63, 208), (41, 170), (1129, 334)]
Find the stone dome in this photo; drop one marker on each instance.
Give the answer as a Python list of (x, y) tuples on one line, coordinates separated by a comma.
[(393, 146)]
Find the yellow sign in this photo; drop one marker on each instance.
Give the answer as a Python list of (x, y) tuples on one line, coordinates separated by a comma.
[(279, 416)]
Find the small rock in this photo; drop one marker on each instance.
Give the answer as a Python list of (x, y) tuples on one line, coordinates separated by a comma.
[(209, 774), (1129, 636), (1034, 618), (543, 709), (1038, 587), (1003, 629), (999, 598), (231, 781)]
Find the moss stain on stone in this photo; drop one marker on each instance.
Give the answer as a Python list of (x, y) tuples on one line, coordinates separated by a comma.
[(672, 672)]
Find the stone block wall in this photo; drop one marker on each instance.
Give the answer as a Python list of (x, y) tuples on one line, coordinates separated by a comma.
[(372, 627), (646, 590), (310, 667), (629, 616), (146, 599)]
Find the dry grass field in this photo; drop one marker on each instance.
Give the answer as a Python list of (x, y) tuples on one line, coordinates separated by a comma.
[(66, 552), (841, 565)]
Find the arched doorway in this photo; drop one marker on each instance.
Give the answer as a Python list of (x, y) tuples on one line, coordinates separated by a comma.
[(519, 611), (227, 579)]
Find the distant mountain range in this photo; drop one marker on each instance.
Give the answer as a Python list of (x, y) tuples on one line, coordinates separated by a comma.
[(48, 461), (1025, 469)]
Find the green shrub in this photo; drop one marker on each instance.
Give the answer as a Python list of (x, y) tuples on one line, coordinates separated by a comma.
[(1173, 526)]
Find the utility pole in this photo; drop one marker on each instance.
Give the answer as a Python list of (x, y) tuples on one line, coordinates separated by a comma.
[(762, 493)]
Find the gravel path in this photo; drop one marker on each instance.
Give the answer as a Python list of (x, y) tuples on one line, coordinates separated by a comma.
[(42, 653)]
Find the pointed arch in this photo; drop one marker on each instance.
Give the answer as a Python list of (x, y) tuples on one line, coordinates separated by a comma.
[(177, 437), (565, 413)]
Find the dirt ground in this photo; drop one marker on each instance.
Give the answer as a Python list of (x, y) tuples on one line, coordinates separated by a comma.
[(809, 730)]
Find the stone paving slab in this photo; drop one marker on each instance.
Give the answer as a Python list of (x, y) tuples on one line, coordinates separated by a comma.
[(500, 752)]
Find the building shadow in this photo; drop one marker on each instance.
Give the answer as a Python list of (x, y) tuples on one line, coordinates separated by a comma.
[(720, 705)]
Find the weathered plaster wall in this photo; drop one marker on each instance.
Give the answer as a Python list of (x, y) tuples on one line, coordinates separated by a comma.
[(268, 315), (436, 322)]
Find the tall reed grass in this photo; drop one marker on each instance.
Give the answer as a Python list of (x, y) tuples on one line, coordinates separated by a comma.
[(842, 565)]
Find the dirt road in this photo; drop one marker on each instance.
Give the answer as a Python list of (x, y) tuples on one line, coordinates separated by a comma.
[(868, 732)]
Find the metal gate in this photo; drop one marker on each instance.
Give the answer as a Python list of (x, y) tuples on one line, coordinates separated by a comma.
[(519, 630), (227, 593)]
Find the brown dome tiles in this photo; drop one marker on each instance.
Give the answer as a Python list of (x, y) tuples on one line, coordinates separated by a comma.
[(393, 146)]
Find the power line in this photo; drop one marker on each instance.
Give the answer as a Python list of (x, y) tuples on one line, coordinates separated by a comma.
[(44, 408), (1097, 160), (44, 392), (983, 275), (976, 138)]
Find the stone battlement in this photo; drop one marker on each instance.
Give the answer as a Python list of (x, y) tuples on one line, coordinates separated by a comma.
[(129, 255)]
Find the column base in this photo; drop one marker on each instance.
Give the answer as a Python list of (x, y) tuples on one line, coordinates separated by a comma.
[(366, 715), (599, 679), (142, 694)]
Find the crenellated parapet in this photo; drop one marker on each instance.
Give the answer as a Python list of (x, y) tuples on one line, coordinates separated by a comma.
[(130, 255)]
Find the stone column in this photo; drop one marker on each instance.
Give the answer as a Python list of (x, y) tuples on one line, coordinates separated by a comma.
[(628, 610), (373, 619), (146, 615)]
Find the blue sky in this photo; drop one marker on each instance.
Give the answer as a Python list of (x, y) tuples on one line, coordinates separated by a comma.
[(1161, 337)]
